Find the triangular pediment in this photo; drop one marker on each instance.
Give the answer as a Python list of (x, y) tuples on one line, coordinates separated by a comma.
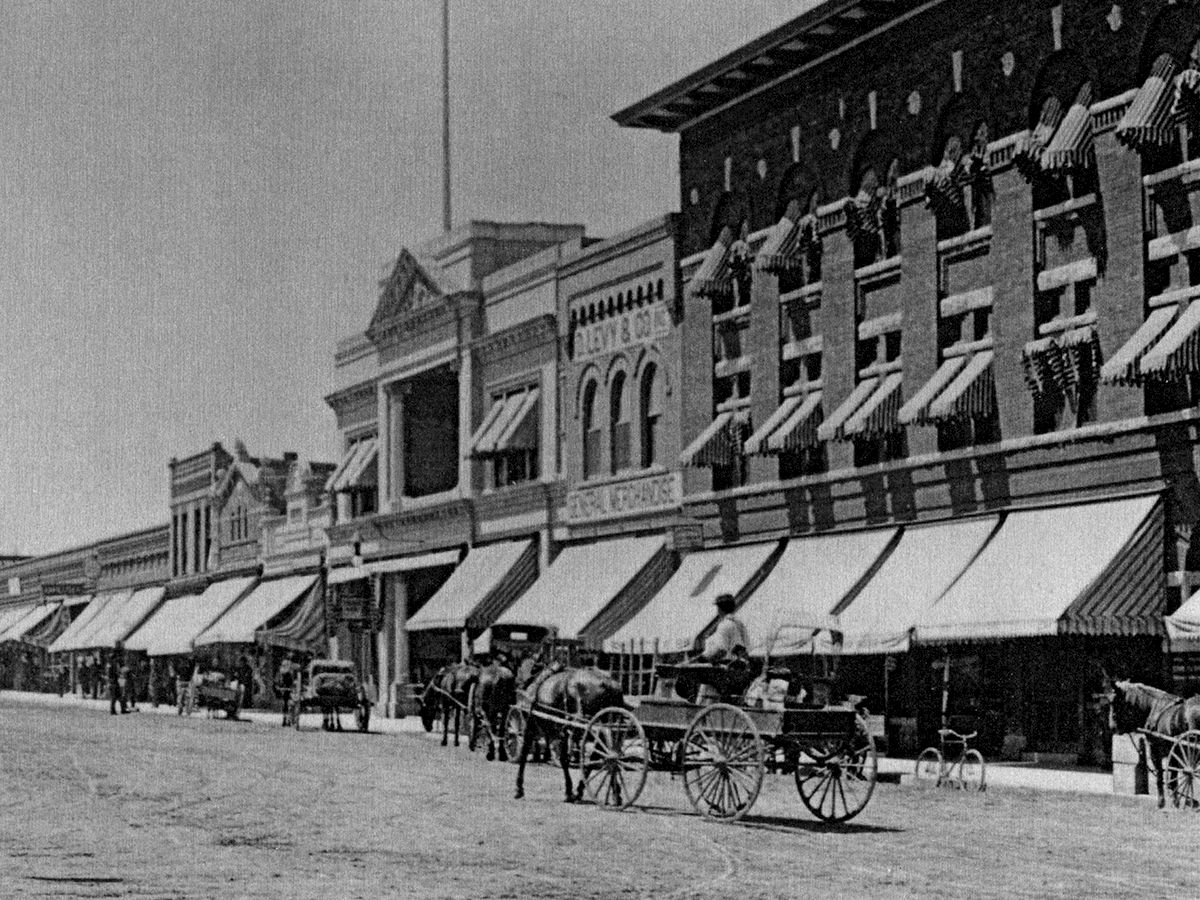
[(412, 285)]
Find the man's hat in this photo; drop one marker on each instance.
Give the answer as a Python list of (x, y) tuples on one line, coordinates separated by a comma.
[(724, 598)]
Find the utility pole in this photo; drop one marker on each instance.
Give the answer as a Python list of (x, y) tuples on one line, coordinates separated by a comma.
[(446, 219)]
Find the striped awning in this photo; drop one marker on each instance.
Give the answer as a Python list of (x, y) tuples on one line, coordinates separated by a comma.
[(1028, 155), (720, 444), (783, 250), (971, 393), (714, 278), (1035, 363), (757, 442), (863, 216), (878, 414), (833, 428), (483, 585), (1178, 351), (1187, 94), (303, 630), (509, 425), (944, 191), (1058, 364), (353, 465), (1124, 367), (1150, 120), (916, 410), (799, 430), (1072, 146)]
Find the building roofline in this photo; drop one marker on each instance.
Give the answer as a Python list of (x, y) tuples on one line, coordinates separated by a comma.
[(814, 36)]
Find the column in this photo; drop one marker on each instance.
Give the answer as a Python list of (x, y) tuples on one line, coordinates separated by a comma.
[(919, 342), (384, 459), (839, 328), (466, 416), (383, 640), (1012, 308), (763, 338), (399, 593)]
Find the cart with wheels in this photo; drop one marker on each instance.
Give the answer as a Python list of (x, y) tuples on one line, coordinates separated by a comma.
[(330, 686)]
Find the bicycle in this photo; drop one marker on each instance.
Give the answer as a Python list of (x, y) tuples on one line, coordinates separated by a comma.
[(965, 771)]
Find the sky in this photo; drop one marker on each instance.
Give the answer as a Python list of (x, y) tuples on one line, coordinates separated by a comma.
[(197, 199)]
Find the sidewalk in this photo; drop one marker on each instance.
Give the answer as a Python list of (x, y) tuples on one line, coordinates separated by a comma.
[(999, 774)]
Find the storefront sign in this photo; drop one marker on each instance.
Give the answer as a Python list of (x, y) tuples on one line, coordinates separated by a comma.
[(637, 326), (617, 498)]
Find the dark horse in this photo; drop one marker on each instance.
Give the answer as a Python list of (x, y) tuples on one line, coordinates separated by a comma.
[(493, 694), (446, 693), (1136, 706), (575, 694)]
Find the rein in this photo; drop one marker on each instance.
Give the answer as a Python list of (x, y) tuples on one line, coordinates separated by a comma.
[(449, 697)]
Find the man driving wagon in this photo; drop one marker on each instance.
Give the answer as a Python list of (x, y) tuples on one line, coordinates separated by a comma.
[(724, 662)]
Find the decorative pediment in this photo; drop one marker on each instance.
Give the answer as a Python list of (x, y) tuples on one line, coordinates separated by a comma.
[(412, 285)]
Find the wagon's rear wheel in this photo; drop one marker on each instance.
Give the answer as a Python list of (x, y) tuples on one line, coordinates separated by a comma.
[(836, 776), (723, 762), (514, 733), (1183, 770), (613, 758)]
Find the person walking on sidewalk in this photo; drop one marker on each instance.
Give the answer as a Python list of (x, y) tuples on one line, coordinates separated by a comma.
[(116, 680)]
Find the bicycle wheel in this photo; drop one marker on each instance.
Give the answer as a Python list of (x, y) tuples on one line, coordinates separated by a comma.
[(929, 766), (971, 771)]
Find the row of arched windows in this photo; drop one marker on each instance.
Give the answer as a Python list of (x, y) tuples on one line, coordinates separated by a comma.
[(625, 423)]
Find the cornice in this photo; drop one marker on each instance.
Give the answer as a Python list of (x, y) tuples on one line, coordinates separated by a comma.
[(526, 335), (412, 324), (663, 228), (354, 394)]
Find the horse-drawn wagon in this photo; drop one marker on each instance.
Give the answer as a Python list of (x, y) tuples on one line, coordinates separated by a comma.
[(210, 691), (330, 686)]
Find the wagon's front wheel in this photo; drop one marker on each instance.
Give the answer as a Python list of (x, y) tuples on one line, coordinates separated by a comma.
[(514, 733), (722, 759), (835, 777), (1183, 770), (613, 758)]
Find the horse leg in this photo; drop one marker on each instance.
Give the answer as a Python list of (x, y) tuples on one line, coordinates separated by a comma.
[(445, 723), (493, 741), (526, 742), (457, 723), (564, 746), (1157, 758), (337, 717)]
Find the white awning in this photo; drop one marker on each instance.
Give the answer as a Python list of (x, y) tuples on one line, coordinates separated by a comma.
[(833, 427), (10, 615), (77, 634), (672, 620), (409, 563), (353, 463), (921, 567), (173, 627), (508, 428), (15, 629), (1038, 565), (580, 583), (472, 585), (118, 622), (347, 574), (813, 576), (238, 624)]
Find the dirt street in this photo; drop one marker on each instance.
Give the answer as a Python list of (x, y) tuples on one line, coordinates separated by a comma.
[(157, 806)]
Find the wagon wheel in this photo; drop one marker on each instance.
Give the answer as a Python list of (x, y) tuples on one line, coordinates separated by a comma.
[(514, 733), (722, 762), (971, 771), (1183, 770), (836, 776), (613, 758)]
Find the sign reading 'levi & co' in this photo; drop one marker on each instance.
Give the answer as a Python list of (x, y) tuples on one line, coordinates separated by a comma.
[(637, 326), (650, 492)]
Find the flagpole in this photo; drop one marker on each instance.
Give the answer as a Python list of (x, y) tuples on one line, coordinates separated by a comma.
[(446, 220)]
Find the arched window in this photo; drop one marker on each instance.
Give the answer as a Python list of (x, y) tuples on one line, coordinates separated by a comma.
[(591, 432), (649, 413), (618, 425)]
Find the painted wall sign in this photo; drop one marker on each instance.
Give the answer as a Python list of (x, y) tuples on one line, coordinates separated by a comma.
[(637, 326), (649, 492)]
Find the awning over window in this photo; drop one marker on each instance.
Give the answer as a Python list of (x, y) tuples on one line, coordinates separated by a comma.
[(878, 413), (238, 624), (783, 250), (720, 444), (173, 627), (1094, 569), (971, 393), (353, 464), (485, 583), (117, 622), (1150, 120), (303, 629), (916, 410), (834, 426), (10, 615), (813, 577), (1058, 364), (78, 635), (799, 430), (714, 277), (411, 563), (1187, 94), (1028, 156), (1178, 351), (921, 567), (1072, 146), (511, 424), (29, 622), (1124, 366), (674, 618), (757, 442), (42, 626), (585, 580), (944, 191), (1183, 626)]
